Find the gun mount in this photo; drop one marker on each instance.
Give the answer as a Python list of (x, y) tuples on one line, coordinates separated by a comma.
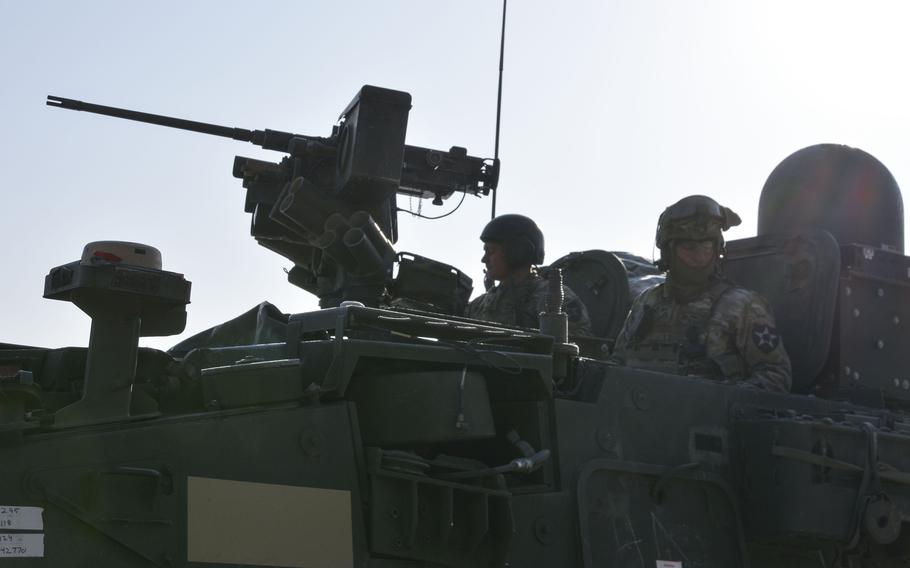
[(330, 206)]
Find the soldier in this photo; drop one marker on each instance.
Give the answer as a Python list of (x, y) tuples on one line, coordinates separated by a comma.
[(698, 323), (513, 246)]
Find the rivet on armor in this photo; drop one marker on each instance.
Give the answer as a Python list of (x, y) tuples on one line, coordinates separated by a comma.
[(880, 292), (906, 384), (640, 399), (896, 320), (855, 375), (856, 312), (309, 444), (897, 383), (848, 290), (605, 439), (847, 370), (544, 531), (880, 344)]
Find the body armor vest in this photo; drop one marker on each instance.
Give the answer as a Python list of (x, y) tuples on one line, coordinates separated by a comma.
[(671, 338)]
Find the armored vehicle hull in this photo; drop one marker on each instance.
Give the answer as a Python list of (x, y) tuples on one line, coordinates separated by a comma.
[(361, 442)]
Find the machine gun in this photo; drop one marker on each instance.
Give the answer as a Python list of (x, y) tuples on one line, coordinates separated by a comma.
[(329, 206)]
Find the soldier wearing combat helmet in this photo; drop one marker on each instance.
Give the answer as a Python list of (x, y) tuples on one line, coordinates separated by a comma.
[(513, 246), (698, 323)]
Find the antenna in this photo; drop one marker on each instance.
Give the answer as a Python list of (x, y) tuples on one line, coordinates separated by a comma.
[(502, 50)]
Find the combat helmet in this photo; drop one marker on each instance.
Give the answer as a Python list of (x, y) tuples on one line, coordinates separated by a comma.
[(520, 237), (695, 217)]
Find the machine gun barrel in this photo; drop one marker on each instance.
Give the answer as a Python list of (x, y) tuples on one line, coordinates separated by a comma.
[(268, 139), (425, 172)]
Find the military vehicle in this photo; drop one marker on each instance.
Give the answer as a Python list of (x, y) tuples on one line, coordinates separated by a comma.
[(385, 430)]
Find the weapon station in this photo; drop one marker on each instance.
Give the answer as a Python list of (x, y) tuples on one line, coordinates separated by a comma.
[(330, 205)]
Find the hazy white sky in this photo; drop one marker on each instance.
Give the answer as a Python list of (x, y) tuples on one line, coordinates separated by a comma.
[(611, 111)]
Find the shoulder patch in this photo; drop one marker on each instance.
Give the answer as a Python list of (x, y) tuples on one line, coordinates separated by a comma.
[(765, 337)]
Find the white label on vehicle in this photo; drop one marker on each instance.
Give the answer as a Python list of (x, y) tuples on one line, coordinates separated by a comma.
[(669, 564), (21, 518), (21, 545)]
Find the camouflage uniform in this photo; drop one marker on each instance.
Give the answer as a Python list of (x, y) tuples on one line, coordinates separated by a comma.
[(726, 333), (520, 305)]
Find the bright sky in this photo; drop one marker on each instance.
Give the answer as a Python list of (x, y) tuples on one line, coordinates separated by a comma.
[(611, 111)]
